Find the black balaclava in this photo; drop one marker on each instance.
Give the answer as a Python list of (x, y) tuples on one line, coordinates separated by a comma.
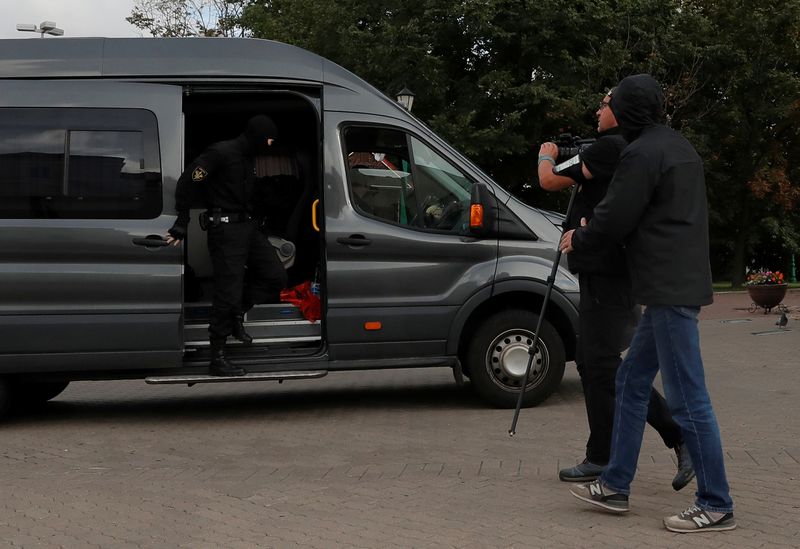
[(637, 103), (258, 130)]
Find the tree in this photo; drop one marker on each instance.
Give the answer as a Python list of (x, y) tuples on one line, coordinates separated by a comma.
[(173, 18), (745, 120)]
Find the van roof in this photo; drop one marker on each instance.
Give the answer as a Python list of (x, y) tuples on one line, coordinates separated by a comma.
[(186, 59), (157, 57)]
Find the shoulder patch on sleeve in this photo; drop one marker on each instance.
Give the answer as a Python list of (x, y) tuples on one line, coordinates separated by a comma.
[(199, 174)]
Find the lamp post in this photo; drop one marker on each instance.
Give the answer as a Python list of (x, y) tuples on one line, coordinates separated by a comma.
[(45, 27), (406, 98)]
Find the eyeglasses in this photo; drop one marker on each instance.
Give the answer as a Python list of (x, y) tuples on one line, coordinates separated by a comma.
[(603, 105)]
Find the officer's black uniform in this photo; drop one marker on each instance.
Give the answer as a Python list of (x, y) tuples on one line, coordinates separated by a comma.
[(235, 239), (608, 314)]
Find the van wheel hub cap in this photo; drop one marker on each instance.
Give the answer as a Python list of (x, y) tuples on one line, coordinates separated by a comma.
[(507, 358)]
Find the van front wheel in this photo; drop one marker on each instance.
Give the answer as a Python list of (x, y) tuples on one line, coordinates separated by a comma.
[(498, 355)]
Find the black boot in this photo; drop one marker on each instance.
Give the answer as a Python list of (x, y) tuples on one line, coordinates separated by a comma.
[(219, 366), (238, 330), (685, 470)]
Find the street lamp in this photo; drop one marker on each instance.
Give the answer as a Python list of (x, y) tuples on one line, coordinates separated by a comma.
[(45, 27), (406, 98)]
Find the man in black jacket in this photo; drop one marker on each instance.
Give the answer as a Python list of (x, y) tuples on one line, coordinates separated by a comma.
[(608, 314), (656, 205), (226, 170)]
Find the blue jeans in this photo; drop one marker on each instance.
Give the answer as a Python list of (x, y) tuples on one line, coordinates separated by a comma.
[(667, 340)]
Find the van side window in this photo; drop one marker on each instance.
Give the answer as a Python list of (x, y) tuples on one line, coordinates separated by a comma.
[(443, 191), (380, 174), (399, 179), (79, 164)]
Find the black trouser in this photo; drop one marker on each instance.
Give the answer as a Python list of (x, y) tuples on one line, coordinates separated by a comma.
[(607, 321), (234, 246)]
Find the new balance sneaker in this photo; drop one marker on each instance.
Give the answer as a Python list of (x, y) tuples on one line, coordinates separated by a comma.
[(695, 519), (582, 472), (685, 470), (597, 494)]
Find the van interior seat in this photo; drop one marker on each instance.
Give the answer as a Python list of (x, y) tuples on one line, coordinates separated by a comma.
[(291, 190)]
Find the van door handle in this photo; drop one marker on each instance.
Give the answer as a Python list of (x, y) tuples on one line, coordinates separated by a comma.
[(354, 240), (151, 241)]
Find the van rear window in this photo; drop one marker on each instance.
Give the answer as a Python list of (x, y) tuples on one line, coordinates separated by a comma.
[(79, 164)]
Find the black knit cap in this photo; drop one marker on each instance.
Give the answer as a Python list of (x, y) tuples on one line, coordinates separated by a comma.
[(259, 129)]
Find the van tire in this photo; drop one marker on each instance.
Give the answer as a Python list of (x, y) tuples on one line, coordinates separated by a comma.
[(499, 349), (35, 393)]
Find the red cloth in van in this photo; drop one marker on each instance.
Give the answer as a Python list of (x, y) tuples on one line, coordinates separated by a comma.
[(304, 299)]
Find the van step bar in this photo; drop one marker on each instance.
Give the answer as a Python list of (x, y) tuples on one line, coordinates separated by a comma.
[(255, 376)]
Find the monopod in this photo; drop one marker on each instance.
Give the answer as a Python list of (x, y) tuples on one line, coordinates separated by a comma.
[(550, 281)]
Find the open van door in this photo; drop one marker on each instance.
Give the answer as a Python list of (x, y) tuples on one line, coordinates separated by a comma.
[(87, 176)]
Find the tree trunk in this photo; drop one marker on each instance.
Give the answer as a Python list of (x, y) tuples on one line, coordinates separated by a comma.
[(740, 250)]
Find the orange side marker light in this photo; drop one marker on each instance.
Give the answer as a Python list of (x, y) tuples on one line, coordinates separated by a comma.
[(476, 216)]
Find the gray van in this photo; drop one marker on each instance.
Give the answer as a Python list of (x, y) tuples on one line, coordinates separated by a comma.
[(93, 136)]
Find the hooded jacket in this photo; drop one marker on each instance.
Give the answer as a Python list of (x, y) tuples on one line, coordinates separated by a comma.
[(656, 204)]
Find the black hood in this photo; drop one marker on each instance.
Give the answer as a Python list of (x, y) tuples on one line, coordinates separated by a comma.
[(637, 103), (258, 130)]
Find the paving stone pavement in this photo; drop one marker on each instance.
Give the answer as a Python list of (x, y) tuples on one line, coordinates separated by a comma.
[(388, 459)]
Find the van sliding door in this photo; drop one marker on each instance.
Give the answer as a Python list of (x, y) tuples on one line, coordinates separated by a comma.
[(87, 174)]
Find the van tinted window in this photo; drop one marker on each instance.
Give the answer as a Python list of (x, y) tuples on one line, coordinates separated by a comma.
[(398, 178), (79, 163)]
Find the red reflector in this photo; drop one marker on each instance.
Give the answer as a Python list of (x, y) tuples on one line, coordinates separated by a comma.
[(372, 325), (476, 216)]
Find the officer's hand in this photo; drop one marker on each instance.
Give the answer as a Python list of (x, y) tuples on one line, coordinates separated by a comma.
[(176, 234), (566, 242), (565, 245), (171, 240), (549, 149)]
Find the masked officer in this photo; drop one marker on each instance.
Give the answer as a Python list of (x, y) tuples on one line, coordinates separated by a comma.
[(236, 240)]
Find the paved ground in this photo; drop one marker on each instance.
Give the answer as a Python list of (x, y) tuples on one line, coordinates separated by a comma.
[(386, 459)]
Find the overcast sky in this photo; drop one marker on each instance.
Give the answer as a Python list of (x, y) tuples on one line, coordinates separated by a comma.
[(76, 17)]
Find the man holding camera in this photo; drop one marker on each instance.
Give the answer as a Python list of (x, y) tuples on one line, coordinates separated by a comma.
[(608, 314), (656, 204)]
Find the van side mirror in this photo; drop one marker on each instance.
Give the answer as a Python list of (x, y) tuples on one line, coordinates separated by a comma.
[(482, 211)]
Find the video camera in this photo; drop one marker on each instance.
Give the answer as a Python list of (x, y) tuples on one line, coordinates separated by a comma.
[(570, 145)]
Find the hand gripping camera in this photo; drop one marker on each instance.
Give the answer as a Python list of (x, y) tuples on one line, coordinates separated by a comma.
[(571, 145)]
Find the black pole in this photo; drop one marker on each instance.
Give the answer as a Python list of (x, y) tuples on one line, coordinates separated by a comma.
[(550, 281)]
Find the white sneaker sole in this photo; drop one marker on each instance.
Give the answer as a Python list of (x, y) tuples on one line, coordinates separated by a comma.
[(713, 528), (600, 504)]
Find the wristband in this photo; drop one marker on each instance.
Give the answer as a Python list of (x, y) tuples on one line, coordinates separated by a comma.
[(546, 157)]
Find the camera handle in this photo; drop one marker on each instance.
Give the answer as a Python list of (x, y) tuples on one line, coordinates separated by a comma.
[(532, 349)]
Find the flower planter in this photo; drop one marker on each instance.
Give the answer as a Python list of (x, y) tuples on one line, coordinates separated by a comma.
[(767, 295)]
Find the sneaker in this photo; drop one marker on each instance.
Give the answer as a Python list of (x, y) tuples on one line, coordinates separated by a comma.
[(597, 494), (685, 472), (585, 471), (695, 519)]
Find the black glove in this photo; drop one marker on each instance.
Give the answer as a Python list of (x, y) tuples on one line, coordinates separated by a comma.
[(178, 231)]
